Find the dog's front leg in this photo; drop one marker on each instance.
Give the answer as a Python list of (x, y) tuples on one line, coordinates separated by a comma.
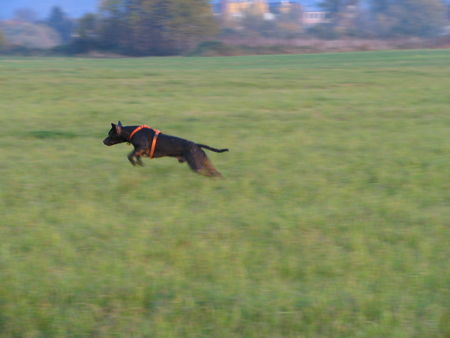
[(131, 157), (135, 157), (139, 161)]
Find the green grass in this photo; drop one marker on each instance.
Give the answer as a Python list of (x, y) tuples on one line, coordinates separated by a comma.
[(332, 219)]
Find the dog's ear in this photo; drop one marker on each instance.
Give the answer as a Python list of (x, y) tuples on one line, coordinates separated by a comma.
[(118, 128)]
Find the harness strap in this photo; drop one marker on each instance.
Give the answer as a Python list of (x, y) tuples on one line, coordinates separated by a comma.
[(155, 137), (137, 129)]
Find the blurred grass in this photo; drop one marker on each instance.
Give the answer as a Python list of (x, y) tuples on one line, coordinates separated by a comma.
[(332, 219)]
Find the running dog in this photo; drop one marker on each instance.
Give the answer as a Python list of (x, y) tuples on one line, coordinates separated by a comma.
[(152, 143)]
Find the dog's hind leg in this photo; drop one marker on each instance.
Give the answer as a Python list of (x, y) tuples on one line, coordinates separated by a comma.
[(131, 158), (192, 160), (199, 162), (210, 168)]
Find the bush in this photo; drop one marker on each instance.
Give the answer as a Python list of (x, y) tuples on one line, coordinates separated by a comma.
[(212, 48), (29, 35)]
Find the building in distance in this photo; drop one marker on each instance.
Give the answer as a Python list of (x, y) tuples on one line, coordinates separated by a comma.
[(232, 11)]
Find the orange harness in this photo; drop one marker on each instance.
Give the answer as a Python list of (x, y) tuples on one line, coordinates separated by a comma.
[(155, 137)]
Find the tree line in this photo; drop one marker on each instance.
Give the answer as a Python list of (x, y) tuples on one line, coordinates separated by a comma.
[(386, 18), (143, 27), (169, 27), (132, 27)]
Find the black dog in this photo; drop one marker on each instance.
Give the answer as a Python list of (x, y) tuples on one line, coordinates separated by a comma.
[(152, 143)]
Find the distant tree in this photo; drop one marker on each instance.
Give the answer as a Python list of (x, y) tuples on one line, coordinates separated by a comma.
[(2, 40), (252, 24), (145, 27), (188, 22), (87, 27), (284, 24), (86, 35), (343, 16), (25, 15), (289, 23), (59, 21), (114, 31), (409, 17)]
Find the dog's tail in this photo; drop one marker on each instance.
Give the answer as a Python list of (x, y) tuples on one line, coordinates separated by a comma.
[(211, 148)]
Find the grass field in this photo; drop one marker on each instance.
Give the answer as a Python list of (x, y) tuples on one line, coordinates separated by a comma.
[(332, 219)]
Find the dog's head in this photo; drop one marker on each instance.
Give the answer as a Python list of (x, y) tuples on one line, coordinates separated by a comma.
[(115, 135)]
